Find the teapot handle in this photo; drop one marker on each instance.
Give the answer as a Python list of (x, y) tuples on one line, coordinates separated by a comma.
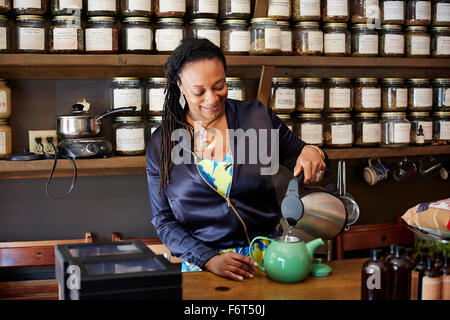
[(261, 266)]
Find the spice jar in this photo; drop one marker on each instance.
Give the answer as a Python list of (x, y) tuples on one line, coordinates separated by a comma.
[(286, 38), (440, 13), (202, 8), (282, 95), (335, 10), (66, 35), (418, 12), (5, 35), (420, 95), (417, 42), (207, 29), (392, 11), (236, 88), (338, 128), (392, 41), (5, 100), (156, 95), (394, 95), (5, 6), (102, 35), (279, 10), (97, 8), (265, 37), (66, 7), (441, 94), (31, 34), (129, 135), (440, 42), (338, 95), (170, 8), (309, 128), (367, 95), (137, 35), (287, 120), (308, 39), (421, 120), (441, 126), (153, 123), (336, 39), (310, 95), (364, 41), (235, 37), (306, 10), (5, 139), (364, 10), (367, 129), (126, 92), (168, 35), (136, 8), (234, 9), (395, 130), (26, 7)]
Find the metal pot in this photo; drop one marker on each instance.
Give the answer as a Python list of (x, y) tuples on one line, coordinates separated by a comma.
[(81, 124)]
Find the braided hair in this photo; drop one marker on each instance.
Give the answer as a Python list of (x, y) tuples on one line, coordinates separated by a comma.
[(174, 115)]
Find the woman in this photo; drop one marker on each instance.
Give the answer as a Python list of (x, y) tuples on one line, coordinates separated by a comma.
[(207, 207)]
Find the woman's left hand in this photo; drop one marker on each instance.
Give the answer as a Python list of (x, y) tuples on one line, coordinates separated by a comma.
[(311, 162)]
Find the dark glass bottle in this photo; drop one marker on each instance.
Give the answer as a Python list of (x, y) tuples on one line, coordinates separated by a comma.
[(445, 279), (416, 277), (399, 277), (390, 254), (438, 261), (408, 256), (431, 283), (374, 278)]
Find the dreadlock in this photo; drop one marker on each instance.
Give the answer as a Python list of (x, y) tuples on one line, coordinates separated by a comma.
[(174, 115)]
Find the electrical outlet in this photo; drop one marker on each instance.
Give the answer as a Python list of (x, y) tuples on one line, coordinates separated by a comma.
[(43, 134)]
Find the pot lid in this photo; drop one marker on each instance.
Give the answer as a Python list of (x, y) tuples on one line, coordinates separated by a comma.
[(80, 109)]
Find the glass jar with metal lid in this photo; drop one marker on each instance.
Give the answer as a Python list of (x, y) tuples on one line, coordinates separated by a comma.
[(338, 95), (5, 100), (418, 41), (207, 29), (26, 7), (282, 95), (128, 135), (338, 130), (170, 9), (126, 92), (440, 13), (136, 8), (308, 39), (202, 8), (66, 35), (392, 11), (309, 128), (153, 123), (441, 94), (66, 7), (367, 129), (336, 39), (287, 120), (310, 95), (137, 35), (306, 10), (364, 40), (441, 126), (440, 42), (265, 37), (95, 8), (234, 9), (418, 12), (235, 37), (423, 121), (394, 95), (392, 41), (335, 10), (236, 88), (363, 11), (5, 139), (5, 35), (155, 95), (31, 34), (168, 35), (279, 10), (286, 38), (420, 95), (5, 6), (102, 35), (395, 130), (367, 93)]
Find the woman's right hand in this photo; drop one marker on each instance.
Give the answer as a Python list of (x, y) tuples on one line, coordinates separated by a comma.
[(232, 265)]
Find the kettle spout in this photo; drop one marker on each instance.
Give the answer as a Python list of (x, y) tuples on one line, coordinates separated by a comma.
[(312, 245)]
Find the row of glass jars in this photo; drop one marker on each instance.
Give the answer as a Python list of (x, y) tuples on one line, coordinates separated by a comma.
[(362, 95), (393, 129)]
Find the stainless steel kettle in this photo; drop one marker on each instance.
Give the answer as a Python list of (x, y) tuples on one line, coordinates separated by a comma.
[(313, 210)]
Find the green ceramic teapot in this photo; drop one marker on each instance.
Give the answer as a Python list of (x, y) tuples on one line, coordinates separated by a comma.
[(287, 259)]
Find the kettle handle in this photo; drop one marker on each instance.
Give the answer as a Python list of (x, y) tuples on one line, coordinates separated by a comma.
[(301, 179), (261, 266)]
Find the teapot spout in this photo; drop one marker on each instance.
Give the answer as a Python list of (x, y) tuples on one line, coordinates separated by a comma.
[(312, 245)]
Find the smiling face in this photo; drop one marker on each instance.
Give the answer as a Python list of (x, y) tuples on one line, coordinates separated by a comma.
[(204, 86)]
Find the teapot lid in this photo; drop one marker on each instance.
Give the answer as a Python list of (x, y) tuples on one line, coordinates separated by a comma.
[(318, 269)]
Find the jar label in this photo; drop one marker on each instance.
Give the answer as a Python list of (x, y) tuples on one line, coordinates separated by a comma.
[(211, 35), (337, 8), (127, 98), (208, 6), (334, 42), (427, 127), (27, 4), (401, 132), (31, 38), (71, 4), (371, 98), (286, 41), (272, 38), (3, 3), (3, 42), (309, 8), (423, 10), (371, 132), (431, 288), (139, 39), (445, 293), (139, 5), (368, 44), (420, 45), (443, 45), (401, 96), (341, 134), (174, 5), (422, 97), (168, 39), (314, 98), (65, 38), (443, 12), (311, 133), (239, 41), (447, 97), (339, 98), (444, 133), (414, 285), (101, 5), (394, 43), (240, 6), (130, 139), (235, 94), (2, 143), (3, 101), (372, 9), (393, 10), (315, 41), (99, 39), (156, 99), (278, 8), (285, 98)]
